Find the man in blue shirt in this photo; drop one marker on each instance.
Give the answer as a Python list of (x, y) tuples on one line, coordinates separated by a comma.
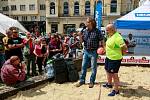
[(92, 39)]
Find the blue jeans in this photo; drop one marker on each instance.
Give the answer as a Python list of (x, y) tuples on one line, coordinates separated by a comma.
[(89, 56)]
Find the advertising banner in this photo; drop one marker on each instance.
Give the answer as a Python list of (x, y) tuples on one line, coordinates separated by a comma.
[(128, 59), (98, 14), (137, 54), (139, 42)]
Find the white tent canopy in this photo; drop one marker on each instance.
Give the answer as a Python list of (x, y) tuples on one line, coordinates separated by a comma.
[(6, 23), (136, 19)]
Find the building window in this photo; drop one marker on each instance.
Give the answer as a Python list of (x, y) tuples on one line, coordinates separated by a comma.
[(24, 18), (32, 7), (5, 8), (76, 8), (42, 18), (22, 7), (54, 28), (87, 8), (42, 7), (13, 7), (113, 8), (68, 28), (52, 8), (33, 18), (66, 8)]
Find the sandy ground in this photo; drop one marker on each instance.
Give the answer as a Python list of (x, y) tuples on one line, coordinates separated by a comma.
[(135, 85)]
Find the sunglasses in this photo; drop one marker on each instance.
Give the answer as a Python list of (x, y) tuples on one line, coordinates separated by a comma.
[(15, 32)]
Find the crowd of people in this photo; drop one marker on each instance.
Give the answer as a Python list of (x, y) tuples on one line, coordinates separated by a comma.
[(33, 51)]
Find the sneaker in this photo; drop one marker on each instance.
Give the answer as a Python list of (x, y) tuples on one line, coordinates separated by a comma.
[(113, 93), (91, 85), (107, 85), (79, 84)]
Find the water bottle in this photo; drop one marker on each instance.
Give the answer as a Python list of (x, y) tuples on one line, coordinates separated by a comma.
[(50, 70)]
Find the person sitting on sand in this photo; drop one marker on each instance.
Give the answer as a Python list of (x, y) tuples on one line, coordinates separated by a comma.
[(13, 71)]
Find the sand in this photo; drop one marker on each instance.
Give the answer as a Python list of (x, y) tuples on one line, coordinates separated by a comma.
[(135, 85)]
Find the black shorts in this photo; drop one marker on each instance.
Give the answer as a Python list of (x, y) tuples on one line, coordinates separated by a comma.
[(112, 66)]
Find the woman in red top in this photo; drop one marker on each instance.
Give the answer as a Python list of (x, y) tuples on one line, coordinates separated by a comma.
[(41, 53), (38, 54)]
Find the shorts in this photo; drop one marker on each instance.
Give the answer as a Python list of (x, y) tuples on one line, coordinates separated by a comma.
[(112, 66)]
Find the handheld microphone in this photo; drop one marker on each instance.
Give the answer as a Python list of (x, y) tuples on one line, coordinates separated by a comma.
[(83, 29)]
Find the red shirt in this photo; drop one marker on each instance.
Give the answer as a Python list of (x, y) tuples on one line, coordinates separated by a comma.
[(38, 49), (10, 74), (31, 45)]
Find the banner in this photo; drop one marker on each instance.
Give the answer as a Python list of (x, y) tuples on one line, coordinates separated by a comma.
[(128, 59), (141, 39), (140, 47), (98, 14)]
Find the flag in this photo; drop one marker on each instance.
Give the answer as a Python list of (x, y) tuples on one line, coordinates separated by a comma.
[(98, 13)]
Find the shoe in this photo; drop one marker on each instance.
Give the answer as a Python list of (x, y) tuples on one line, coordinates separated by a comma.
[(91, 85), (113, 93), (79, 84), (107, 85)]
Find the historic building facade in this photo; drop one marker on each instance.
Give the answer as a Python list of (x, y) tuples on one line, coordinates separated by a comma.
[(62, 16), (31, 13)]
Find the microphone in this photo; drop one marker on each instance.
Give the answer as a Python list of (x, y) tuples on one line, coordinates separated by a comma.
[(83, 29)]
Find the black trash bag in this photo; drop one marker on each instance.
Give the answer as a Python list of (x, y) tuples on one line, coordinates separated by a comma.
[(60, 69), (72, 71)]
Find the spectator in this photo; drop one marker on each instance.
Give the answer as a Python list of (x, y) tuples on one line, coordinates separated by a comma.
[(73, 43), (37, 33), (41, 53), (48, 37), (55, 46), (66, 46), (5, 41), (16, 45), (44, 50), (29, 55), (13, 71), (131, 44)]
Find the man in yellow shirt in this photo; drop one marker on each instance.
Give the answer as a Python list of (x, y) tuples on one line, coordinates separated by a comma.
[(5, 41), (114, 46)]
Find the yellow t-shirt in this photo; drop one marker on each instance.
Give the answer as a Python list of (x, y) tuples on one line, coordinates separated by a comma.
[(5, 41), (113, 47)]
